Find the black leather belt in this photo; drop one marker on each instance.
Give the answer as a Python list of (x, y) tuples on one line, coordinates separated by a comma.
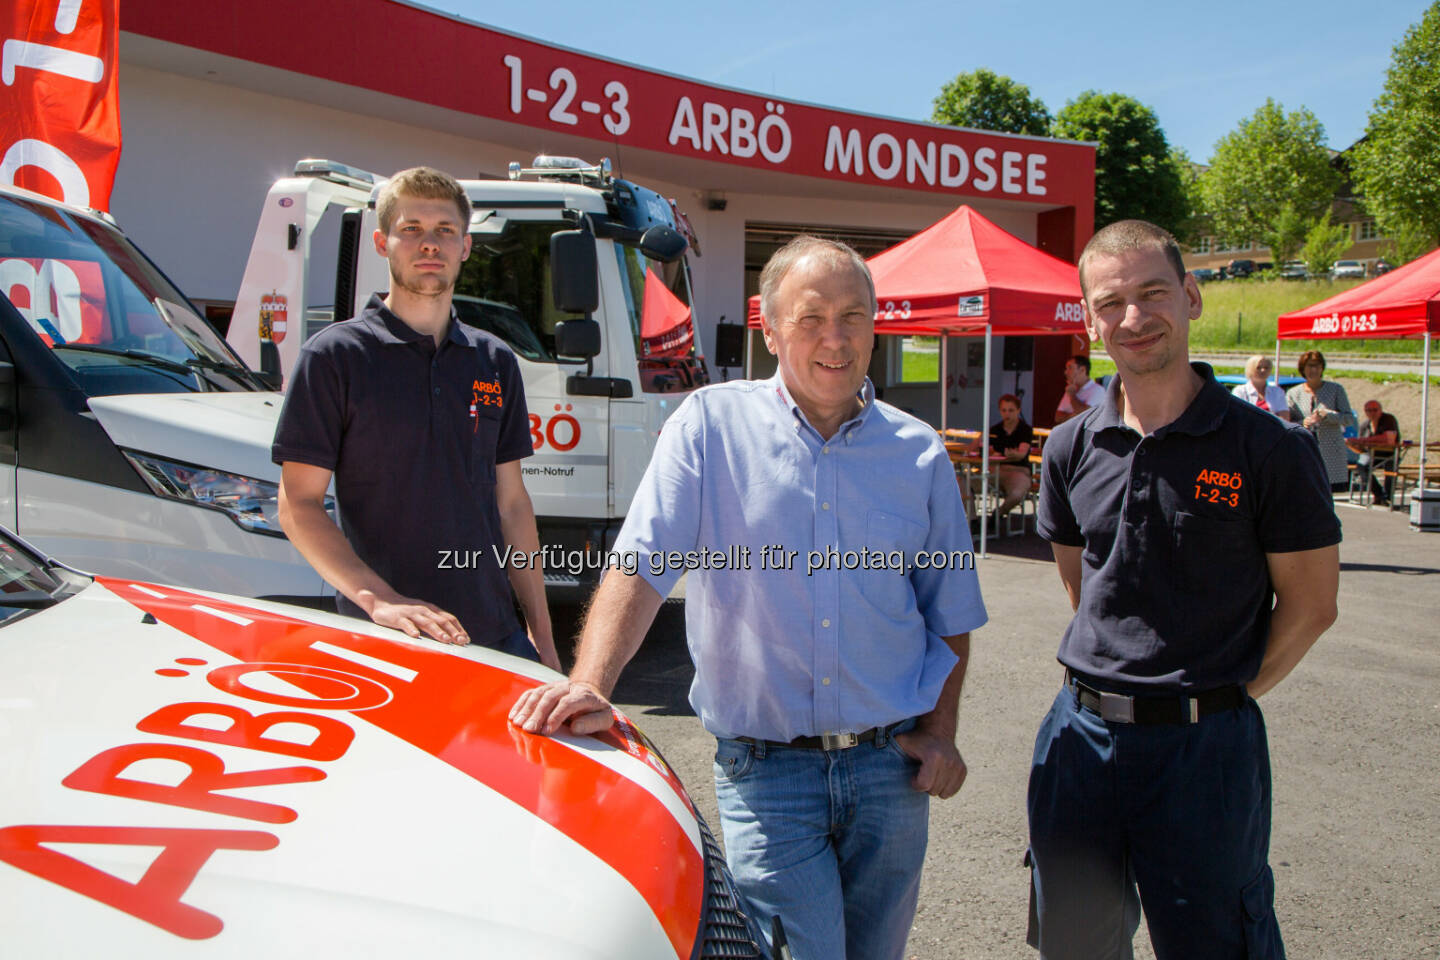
[(1120, 708), (826, 741)]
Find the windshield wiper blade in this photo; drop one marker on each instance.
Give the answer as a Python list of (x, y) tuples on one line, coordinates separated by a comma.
[(163, 363), (220, 366), (31, 599)]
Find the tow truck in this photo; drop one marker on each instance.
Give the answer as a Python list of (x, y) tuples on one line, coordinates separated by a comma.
[(582, 274)]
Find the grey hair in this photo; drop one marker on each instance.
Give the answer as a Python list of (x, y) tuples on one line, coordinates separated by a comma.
[(832, 251)]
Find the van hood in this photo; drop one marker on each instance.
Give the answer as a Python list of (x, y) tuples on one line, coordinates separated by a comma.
[(225, 431), (350, 792)]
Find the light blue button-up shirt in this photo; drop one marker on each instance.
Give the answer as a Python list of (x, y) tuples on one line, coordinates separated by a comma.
[(823, 574)]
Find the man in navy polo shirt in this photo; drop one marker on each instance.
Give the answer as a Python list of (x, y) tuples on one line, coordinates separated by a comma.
[(1196, 538), (422, 423)]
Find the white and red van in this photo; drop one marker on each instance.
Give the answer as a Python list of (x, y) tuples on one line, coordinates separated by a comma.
[(187, 774)]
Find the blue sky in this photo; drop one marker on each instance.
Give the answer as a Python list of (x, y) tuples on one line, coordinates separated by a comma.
[(1202, 67)]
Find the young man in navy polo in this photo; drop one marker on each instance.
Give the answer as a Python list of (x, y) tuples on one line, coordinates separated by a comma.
[(1196, 538), (422, 423)]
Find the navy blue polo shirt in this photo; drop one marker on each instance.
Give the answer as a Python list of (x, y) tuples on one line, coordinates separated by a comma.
[(1175, 593), (413, 433)]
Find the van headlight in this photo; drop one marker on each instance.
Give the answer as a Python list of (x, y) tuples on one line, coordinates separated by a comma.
[(253, 504)]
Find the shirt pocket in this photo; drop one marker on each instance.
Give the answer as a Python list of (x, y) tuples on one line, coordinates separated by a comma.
[(885, 585), (1207, 547), (484, 435)]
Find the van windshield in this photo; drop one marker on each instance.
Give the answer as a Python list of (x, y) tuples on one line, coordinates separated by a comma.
[(113, 319)]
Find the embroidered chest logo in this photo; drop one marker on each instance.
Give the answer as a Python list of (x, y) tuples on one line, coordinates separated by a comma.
[(1217, 486), (484, 395)]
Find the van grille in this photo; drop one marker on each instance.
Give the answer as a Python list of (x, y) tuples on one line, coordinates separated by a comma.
[(726, 931)]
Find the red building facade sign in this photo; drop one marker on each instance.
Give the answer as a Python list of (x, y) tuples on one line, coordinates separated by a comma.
[(522, 81)]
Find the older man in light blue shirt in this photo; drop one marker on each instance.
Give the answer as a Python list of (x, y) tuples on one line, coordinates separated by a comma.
[(828, 611)]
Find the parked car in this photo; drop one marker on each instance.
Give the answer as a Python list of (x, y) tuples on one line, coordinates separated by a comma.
[(1264, 266), (1348, 269), (1203, 274), (1381, 267), (196, 775), (1241, 268), (1294, 270)]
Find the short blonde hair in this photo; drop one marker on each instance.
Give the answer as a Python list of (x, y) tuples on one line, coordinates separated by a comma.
[(426, 183), (1254, 362)]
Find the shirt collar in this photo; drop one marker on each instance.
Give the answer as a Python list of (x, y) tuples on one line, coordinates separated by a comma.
[(866, 395), (389, 328), (1204, 415)]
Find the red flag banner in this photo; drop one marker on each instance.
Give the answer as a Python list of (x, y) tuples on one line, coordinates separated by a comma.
[(59, 106)]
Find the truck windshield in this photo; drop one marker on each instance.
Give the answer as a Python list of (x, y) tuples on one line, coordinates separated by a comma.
[(504, 288), (103, 308)]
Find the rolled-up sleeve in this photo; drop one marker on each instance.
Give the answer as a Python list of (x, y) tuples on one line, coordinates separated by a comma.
[(665, 513), (947, 589)]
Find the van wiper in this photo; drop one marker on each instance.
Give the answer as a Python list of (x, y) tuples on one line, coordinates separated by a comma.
[(221, 366), (31, 599), (164, 363)]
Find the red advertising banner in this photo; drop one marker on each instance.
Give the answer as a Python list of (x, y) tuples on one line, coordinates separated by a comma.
[(548, 88), (59, 107)]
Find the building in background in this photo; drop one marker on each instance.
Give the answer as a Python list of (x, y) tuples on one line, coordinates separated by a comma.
[(220, 99)]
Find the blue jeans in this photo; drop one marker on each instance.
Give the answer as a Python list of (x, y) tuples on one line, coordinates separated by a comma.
[(831, 841), (517, 644), (1174, 816)]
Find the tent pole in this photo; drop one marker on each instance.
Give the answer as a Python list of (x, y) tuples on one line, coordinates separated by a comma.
[(749, 352), (1275, 368), (1424, 409), (985, 450), (944, 383)]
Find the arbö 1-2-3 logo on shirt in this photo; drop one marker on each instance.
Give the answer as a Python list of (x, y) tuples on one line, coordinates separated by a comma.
[(1218, 486), (486, 395)]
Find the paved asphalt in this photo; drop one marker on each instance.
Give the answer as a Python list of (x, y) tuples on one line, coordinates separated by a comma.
[(1355, 745)]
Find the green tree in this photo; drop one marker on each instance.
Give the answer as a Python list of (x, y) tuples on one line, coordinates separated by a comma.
[(1195, 224), (1273, 159), (1406, 244), (1135, 173), (987, 100), (1325, 242), (1397, 166), (1287, 234)]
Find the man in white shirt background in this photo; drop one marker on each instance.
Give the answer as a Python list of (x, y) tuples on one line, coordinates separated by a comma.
[(1081, 393)]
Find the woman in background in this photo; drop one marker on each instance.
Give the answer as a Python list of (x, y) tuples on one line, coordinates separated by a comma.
[(1257, 389), (1322, 407)]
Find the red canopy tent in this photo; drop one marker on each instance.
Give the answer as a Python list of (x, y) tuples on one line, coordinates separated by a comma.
[(966, 276), (1404, 303)]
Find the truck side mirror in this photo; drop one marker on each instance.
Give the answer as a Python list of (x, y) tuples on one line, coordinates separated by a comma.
[(574, 285), (663, 243), (577, 338), (269, 372)]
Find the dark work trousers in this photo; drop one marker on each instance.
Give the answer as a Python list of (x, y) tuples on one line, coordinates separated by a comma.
[(1172, 816)]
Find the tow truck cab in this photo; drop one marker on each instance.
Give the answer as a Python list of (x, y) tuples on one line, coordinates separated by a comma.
[(581, 274)]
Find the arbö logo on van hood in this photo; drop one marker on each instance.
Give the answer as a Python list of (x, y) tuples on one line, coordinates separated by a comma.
[(224, 431)]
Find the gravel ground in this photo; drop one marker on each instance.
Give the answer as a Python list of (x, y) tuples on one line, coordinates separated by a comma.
[(1354, 735)]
